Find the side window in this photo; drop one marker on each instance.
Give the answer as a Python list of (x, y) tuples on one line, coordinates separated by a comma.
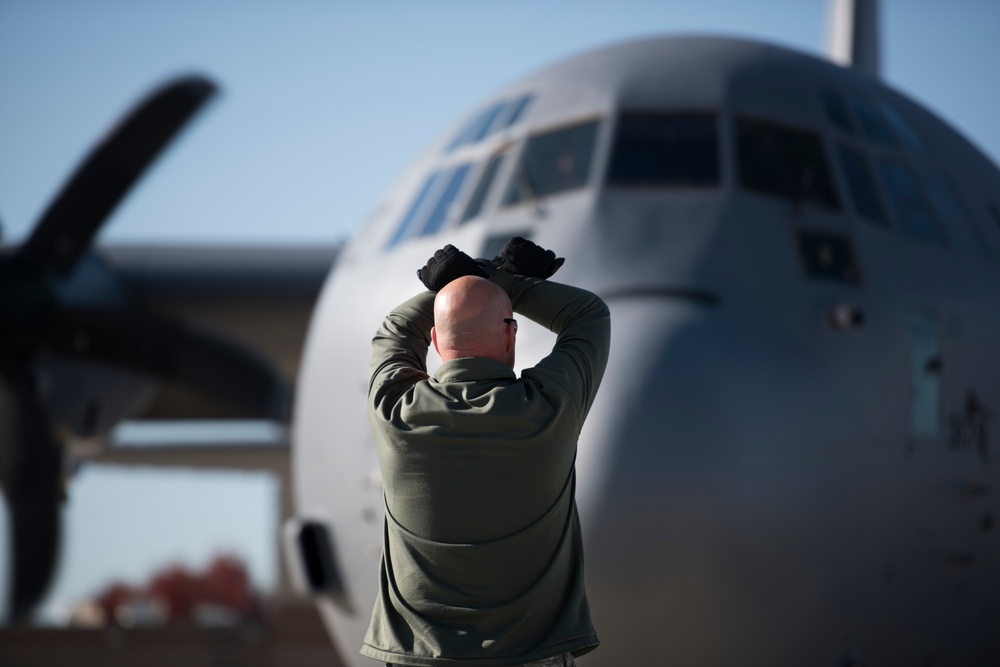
[(439, 214), (783, 162), (517, 110), (553, 162), (914, 215), (463, 135), (901, 127), (501, 115), (483, 187), (837, 114), (485, 122), (861, 185), (950, 212), (476, 129), (872, 123), (432, 207), (661, 149), (407, 226)]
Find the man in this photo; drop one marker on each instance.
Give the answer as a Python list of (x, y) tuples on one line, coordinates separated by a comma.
[(482, 558)]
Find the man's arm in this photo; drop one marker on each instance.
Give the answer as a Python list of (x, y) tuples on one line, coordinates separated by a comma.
[(582, 324), (399, 351)]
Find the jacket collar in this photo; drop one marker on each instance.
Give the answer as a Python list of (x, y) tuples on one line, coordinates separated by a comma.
[(473, 369)]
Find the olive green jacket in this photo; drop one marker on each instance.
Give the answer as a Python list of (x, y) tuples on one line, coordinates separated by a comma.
[(482, 558)]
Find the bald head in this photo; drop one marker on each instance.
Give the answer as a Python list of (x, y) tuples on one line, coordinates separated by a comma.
[(469, 315)]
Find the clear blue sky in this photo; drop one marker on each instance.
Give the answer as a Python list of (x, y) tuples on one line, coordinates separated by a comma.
[(323, 105)]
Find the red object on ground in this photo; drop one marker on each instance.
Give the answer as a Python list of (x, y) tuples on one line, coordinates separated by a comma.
[(178, 589), (113, 596), (224, 583)]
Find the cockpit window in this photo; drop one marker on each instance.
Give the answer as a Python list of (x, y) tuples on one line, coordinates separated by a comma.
[(455, 178), (665, 149), (486, 123), (903, 130), (836, 112), (950, 211), (912, 211), (553, 162), (872, 122), (432, 207), (517, 109), (477, 127), (861, 185), (783, 162), (483, 187), (501, 115), (407, 226)]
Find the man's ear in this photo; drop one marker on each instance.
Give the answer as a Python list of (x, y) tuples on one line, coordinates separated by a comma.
[(434, 339)]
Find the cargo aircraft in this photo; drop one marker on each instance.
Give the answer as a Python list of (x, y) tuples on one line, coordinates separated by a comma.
[(790, 458), (790, 461)]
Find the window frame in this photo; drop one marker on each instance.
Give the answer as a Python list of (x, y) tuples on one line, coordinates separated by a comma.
[(490, 119), (418, 202), (720, 149), (501, 157), (504, 204), (460, 171), (963, 221), (858, 146), (906, 162), (824, 149)]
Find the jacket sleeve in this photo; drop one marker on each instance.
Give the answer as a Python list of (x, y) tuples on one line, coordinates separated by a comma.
[(582, 324), (399, 351)]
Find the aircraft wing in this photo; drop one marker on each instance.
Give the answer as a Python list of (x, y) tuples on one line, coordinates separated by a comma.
[(257, 299)]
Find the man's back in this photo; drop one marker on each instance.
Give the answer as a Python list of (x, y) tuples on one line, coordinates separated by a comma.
[(483, 454), (483, 553)]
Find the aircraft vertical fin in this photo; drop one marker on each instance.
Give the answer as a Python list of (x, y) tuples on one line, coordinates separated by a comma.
[(853, 35)]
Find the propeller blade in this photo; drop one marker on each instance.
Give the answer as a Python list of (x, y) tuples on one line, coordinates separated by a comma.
[(33, 486), (112, 168), (231, 381), (35, 530)]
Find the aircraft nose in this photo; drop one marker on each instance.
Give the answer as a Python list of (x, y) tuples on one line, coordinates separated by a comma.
[(700, 463)]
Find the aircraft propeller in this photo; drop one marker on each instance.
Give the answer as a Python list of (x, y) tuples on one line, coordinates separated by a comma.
[(38, 321)]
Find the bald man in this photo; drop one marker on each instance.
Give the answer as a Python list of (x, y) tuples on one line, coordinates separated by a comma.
[(466, 312), (482, 558)]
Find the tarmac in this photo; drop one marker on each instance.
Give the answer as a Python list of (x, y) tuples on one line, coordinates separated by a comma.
[(292, 636)]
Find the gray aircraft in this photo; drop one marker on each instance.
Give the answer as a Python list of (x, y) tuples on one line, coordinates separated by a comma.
[(790, 458)]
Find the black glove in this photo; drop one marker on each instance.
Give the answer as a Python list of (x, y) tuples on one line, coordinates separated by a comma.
[(523, 257), (447, 264)]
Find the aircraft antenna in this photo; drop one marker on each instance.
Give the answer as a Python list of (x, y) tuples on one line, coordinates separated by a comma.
[(853, 35)]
